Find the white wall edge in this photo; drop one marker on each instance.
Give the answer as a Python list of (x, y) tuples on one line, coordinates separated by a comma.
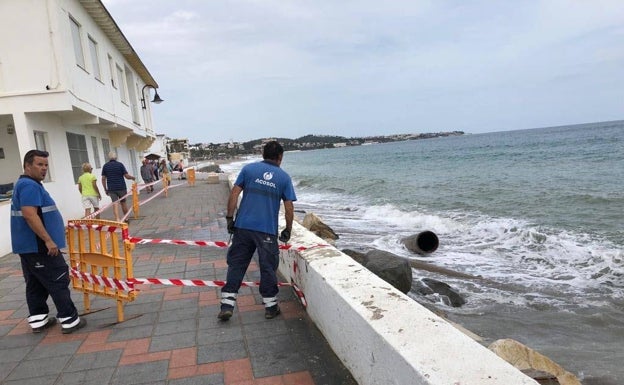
[(380, 334)]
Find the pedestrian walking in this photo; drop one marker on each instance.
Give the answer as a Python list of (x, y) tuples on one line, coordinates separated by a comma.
[(164, 169), (256, 227), (114, 174), (147, 173), (37, 236), (87, 185)]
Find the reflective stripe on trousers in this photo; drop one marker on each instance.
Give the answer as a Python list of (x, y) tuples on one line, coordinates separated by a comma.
[(37, 320), (228, 299), (269, 301), (69, 322)]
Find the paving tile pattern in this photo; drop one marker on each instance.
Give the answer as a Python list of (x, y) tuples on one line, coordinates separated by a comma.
[(171, 335)]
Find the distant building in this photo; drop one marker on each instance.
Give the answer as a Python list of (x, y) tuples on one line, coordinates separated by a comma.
[(158, 147), (70, 84), (178, 146)]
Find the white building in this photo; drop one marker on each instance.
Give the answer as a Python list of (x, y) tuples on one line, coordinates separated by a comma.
[(159, 146), (70, 84)]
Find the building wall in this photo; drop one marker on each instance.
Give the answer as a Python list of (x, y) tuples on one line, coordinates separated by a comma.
[(26, 56), (10, 165), (91, 94), (62, 185), (42, 88), (40, 60)]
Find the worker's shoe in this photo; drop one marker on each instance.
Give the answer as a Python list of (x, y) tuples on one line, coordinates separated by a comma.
[(272, 312), (82, 323), (51, 322), (225, 314)]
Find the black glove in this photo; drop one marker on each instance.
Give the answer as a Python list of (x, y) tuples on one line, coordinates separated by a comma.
[(230, 224), (284, 236)]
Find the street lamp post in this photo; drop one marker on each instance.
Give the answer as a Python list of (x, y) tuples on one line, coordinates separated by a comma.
[(157, 98)]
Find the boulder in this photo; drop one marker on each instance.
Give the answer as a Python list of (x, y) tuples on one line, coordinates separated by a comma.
[(315, 225), (421, 243), (429, 286), (387, 266), (210, 168), (527, 360), (360, 257)]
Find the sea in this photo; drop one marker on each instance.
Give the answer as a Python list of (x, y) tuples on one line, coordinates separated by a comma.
[(537, 214)]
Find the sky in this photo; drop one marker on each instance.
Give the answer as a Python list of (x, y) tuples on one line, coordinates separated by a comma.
[(239, 70)]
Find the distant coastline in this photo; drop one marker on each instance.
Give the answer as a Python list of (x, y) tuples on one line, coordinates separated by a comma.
[(223, 151)]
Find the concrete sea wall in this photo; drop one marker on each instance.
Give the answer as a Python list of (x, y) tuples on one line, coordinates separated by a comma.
[(380, 334)]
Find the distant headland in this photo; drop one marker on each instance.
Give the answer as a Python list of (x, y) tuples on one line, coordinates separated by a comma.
[(307, 142)]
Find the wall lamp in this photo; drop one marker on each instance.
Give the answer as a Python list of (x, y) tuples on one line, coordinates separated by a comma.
[(157, 98)]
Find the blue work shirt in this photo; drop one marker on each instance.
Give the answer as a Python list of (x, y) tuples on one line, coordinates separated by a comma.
[(264, 186), (29, 192)]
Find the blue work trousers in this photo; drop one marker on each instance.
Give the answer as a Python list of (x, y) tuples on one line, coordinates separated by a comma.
[(244, 244), (45, 276)]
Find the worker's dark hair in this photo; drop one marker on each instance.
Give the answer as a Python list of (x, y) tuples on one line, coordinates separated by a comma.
[(272, 150), (30, 156)]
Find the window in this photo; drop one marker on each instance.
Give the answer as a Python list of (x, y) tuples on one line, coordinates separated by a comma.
[(111, 69), (132, 95), (41, 144), (96, 152), (95, 58), (120, 82), (78, 52), (133, 163), (105, 148), (77, 145)]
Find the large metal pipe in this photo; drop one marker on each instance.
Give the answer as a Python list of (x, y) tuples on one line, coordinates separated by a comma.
[(422, 243)]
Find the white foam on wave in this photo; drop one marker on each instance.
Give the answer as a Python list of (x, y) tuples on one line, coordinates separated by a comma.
[(234, 167), (542, 266), (548, 266)]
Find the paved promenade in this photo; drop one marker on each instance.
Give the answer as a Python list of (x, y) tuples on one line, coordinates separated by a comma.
[(171, 334)]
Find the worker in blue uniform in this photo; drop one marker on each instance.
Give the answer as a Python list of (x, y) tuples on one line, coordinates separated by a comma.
[(37, 236), (264, 186)]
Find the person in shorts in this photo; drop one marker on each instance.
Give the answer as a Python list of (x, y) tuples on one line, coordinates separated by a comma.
[(114, 174), (87, 185)]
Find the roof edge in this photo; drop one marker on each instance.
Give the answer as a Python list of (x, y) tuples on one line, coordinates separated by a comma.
[(103, 18)]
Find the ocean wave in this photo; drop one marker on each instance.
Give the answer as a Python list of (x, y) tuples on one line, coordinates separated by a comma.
[(535, 265), (504, 250)]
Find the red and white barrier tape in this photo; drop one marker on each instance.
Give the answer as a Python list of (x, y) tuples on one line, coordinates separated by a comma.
[(222, 244), (94, 214), (109, 229), (125, 217), (111, 283), (128, 285), (139, 188), (144, 241), (299, 293), (301, 248)]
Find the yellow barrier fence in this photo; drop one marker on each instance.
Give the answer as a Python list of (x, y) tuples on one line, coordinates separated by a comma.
[(190, 176), (97, 247), (135, 200)]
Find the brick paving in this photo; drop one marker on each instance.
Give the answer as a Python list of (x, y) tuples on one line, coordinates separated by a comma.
[(171, 334)]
